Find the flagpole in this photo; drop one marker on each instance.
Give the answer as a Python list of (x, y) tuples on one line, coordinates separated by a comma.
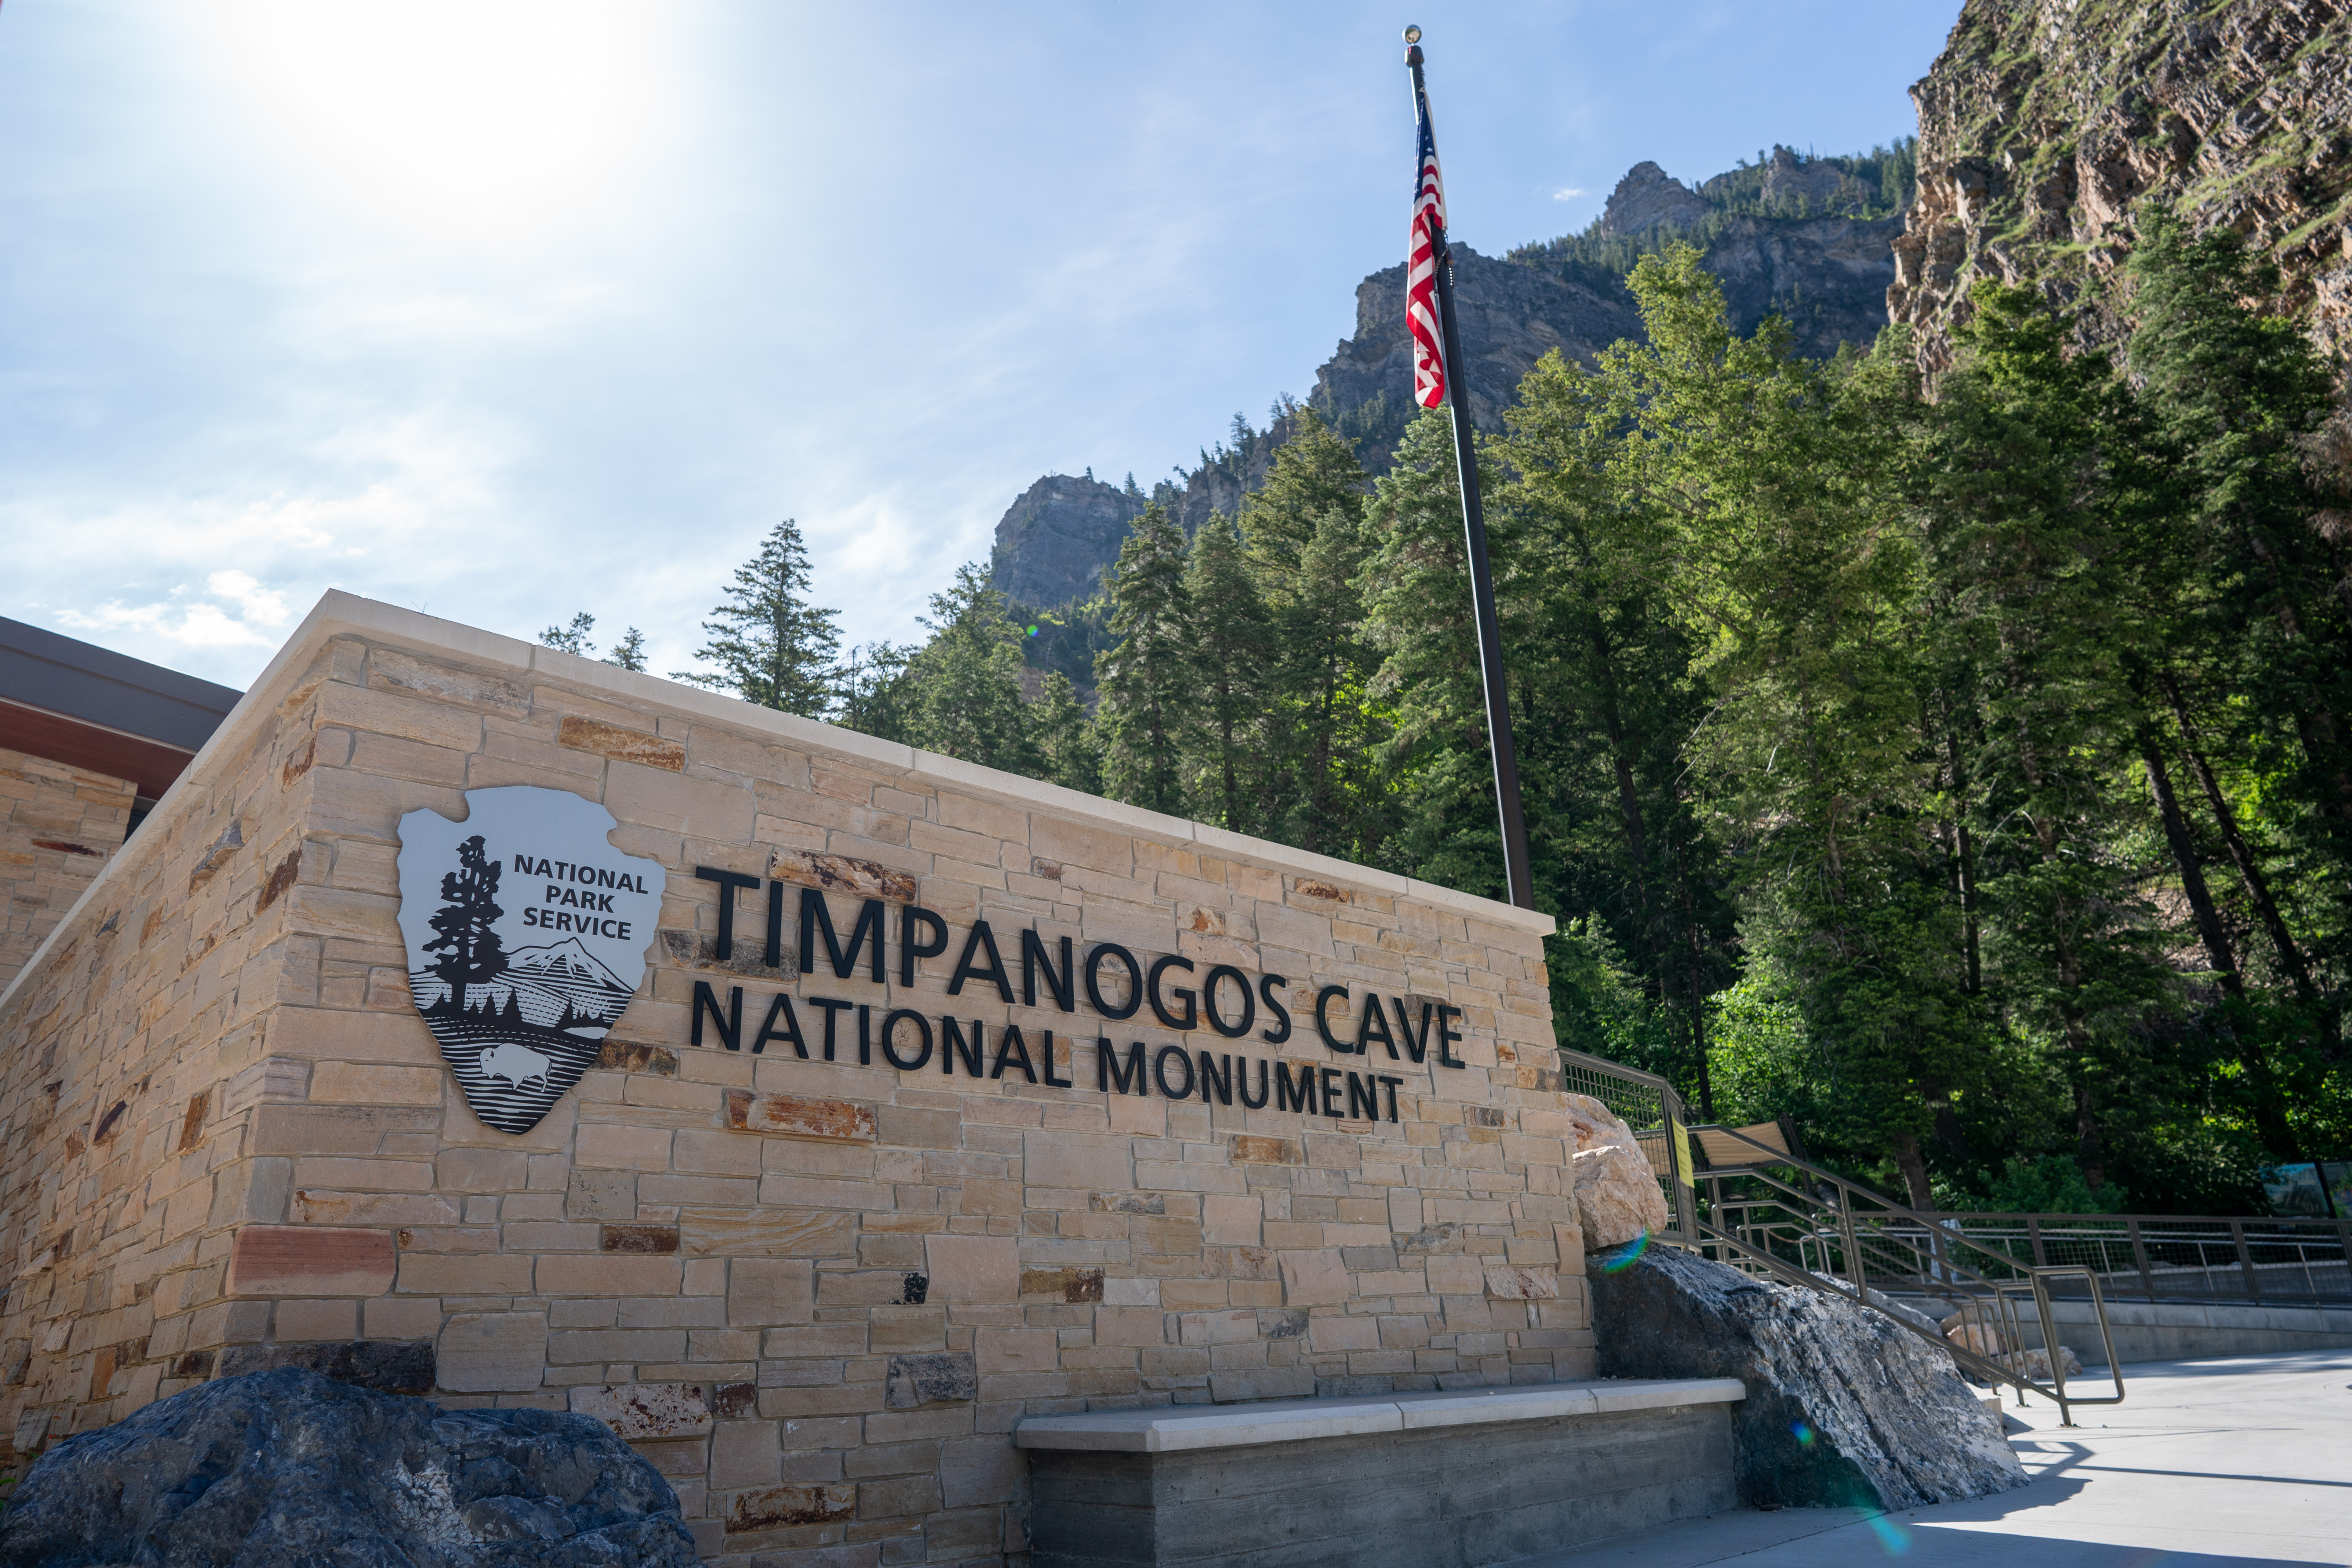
[(1517, 871)]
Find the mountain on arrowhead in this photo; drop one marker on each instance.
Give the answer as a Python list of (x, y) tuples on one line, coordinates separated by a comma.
[(563, 963), (559, 984)]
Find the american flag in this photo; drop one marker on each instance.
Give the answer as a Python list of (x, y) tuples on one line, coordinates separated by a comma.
[(1421, 272)]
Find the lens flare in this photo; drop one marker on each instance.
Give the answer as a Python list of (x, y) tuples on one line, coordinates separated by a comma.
[(1891, 1535), (1623, 1256), (1803, 1434)]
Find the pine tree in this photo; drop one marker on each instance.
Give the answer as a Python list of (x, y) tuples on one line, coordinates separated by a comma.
[(1331, 801), (2023, 551), (772, 646), (1418, 616), (963, 689), (1604, 700), (1232, 650), (1315, 473), (629, 653), (875, 696), (571, 638), (2237, 398), (1147, 684), (1066, 741)]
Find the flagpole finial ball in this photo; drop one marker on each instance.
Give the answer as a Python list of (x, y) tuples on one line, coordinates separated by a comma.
[(1411, 35)]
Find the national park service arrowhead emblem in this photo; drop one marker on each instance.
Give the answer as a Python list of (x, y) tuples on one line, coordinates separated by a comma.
[(527, 934)]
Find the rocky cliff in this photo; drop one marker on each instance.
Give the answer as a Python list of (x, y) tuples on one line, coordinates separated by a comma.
[(1512, 315), (1790, 233), (2046, 124), (1056, 538)]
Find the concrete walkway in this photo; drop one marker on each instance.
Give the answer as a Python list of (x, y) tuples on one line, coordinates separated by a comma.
[(2244, 1463)]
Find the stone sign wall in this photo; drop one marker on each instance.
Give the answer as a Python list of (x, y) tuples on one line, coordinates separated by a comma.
[(817, 1285), (58, 827)]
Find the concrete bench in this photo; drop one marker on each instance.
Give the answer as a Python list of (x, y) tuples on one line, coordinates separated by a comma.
[(1441, 1479)]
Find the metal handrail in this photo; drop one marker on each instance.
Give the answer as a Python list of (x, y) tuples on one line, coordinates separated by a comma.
[(1833, 1217), (1664, 1134)]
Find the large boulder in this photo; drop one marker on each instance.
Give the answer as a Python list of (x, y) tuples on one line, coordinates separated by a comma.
[(1844, 1405), (1975, 1328), (1618, 1198), (284, 1467)]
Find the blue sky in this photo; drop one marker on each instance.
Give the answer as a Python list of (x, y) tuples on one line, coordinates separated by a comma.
[(503, 310)]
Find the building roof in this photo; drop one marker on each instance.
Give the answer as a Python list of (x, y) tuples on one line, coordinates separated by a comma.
[(88, 707)]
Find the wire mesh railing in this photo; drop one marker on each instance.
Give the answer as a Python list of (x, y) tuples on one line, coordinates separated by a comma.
[(2152, 1258)]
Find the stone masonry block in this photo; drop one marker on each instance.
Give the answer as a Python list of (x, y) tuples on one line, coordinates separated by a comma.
[(1523, 1284), (608, 1274), (1333, 1332), (1455, 1275), (974, 1471), (1216, 1328), (493, 1352), (768, 1292), (744, 1454), (1129, 1326), (790, 1117), (1261, 1382), (622, 745), (367, 1083), (1228, 1220), (309, 1260), (641, 1410), (792, 1507), (1018, 1350), (919, 1380), (1313, 1278), (973, 1269), (1071, 1159)]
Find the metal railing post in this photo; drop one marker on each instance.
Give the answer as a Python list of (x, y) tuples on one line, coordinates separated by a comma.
[(2245, 1259), (1853, 1264), (2033, 1239), (2139, 1255), (2050, 1347)]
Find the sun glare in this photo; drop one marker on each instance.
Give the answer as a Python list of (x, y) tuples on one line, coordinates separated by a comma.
[(458, 122)]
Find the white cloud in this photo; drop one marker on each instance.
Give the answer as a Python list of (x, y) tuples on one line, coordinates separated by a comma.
[(376, 511), (191, 626), (1567, 193), (260, 606)]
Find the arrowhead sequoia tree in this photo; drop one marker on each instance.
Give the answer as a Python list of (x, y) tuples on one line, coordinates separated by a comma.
[(472, 952)]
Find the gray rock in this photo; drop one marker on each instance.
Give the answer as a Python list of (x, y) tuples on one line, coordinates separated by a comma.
[(940, 1376), (284, 1467), (1058, 537), (1888, 1304), (1649, 198), (387, 1366), (1845, 1406)]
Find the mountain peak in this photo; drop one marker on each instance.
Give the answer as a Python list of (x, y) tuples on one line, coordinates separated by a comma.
[(567, 956), (1059, 535), (1648, 198)]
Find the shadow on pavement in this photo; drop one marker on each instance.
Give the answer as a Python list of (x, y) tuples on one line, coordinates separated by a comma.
[(1941, 1546)]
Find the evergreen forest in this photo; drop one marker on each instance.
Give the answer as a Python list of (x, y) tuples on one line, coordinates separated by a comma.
[(1963, 773)]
